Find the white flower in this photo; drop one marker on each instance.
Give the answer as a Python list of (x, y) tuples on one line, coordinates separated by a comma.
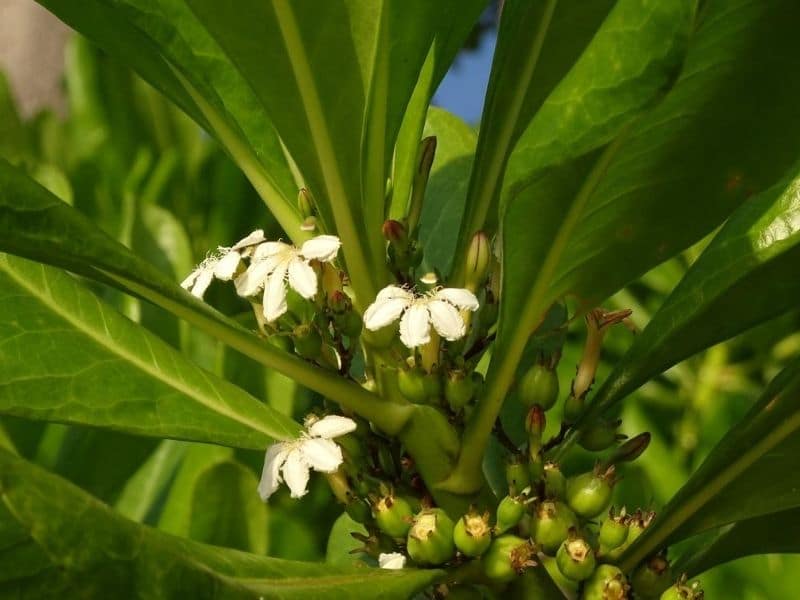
[(275, 262), (222, 264), (292, 461), (392, 560), (439, 307)]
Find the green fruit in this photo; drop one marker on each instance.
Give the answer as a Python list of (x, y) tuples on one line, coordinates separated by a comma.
[(575, 559), (539, 385), (555, 484), (599, 436), (606, 583), (683, 591), (430, 538), (573, 408), (637, 523), (472, 534), (589, 494), (509, 513), (550, 525), (307, 341), (613, 532), (393, 515), (411, 384), (652, 578), (458, 390), (517, 475), (508, 556)]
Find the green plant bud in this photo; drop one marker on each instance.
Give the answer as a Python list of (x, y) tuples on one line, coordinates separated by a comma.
[(589, 494), (307, 341), (507, 557), (555, 484), (573, 408), (393, 515), (637, 523), (478, 259), (509, 513), (472, 534), (575, 559), (411, 383), (358, 510), (539, 385), (349, 324), (550, 525), (535, 422), (305, 202), (430, 539), (613, 532), (652, 578), (517, 475), (600, 435), (433, 386), (458, 390), (606, 583), (395, 233), (683, 591), (339, 302)]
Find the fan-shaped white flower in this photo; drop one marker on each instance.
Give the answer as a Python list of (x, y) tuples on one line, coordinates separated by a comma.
[(222, 264), (314, 449), (391, 560), (273, 263), (439, 307)]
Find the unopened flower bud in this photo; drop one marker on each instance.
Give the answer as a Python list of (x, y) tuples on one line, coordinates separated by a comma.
[(555, 484), (509, 512), (589, 494), (600, 435), (430, 539), (517, 474), (550, 525), (598, 322), (613, 531), (472, 534), (508, 556), (411, 383), (339, 302), (575, 558), (535, 422), (478, 259), (395, 232), (459, 389), (305, 202), (630, 450), (539, 385)]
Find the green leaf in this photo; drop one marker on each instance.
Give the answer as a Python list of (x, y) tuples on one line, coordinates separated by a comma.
[(745, 276), (776, 533), (537, 43), (67, 357), (35, 224), (748, 474), (78, 548), (446, 192)]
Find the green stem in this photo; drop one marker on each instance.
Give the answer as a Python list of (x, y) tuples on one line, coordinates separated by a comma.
[(486, 182), (467, 474), (358, 265)]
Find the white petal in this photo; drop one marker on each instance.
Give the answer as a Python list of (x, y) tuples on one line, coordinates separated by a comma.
[(383, 312), (392, 560), (458, 297), (254, 238), (190, 279), (202, 282), (227, 265), (302, 278), (415, 329), (446, 320), (275, 294), (392, 292), (296, 473), (321, 454), (252, 280), (332, 426), (270, 249), (323, 248), (270, 474)]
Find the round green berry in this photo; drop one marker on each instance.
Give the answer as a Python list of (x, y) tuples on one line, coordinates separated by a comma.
[(393, 515), (606, 583), (550, 525), (575, 559), (472, 534), (430, 538), (507, 556), (458, 390), (539, 385), (589, 494), (509, 513), (555, 484), (411, 383)]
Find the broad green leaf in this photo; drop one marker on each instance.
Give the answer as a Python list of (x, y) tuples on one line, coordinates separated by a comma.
[(67, 357), (776, 533), (341, 545), (447, 188), (537, 43), (539, 220), (78, 548), (13, 139), (745, 276), (750, 473), (36, 225)]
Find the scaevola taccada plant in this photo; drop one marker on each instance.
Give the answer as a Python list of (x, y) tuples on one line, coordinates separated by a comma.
[(466, 308)]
